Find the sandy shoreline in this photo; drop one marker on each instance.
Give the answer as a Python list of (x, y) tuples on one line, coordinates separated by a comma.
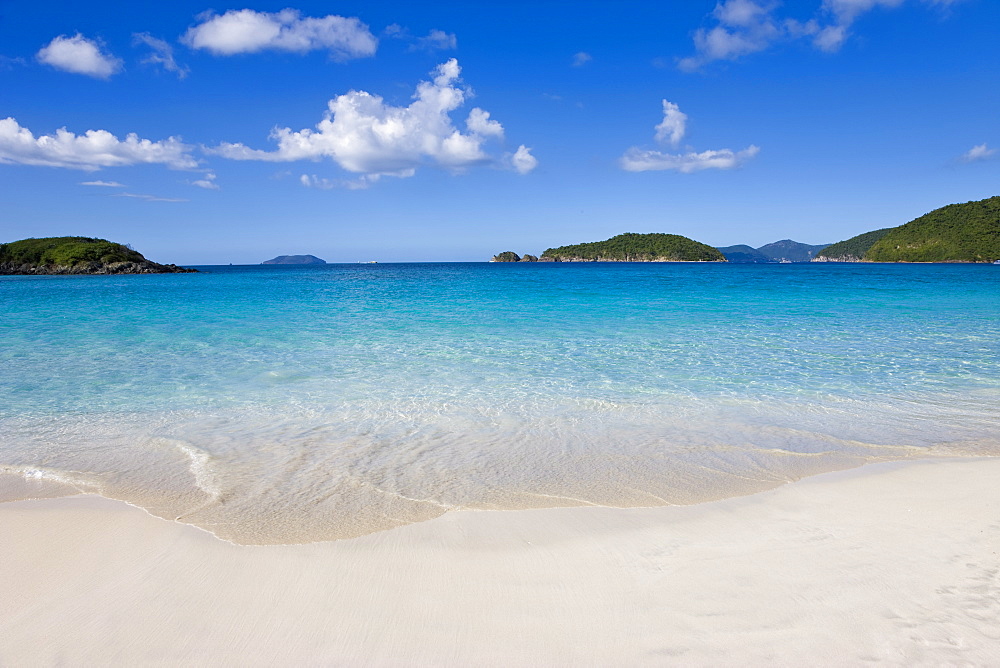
[(893, 563)]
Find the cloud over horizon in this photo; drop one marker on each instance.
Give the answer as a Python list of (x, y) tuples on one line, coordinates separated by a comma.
[(90, 151), (671, 130), (79, 55), (248, 31), (364, 135)]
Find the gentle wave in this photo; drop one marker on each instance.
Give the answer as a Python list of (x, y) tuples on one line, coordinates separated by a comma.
[(278, 406)]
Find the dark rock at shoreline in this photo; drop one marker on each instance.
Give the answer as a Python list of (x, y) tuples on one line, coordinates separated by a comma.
[(93, 268)]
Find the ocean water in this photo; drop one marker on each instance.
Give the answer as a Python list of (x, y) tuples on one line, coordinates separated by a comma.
[(272, 404)]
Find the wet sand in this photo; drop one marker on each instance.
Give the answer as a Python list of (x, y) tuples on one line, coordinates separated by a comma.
[(894, 563)]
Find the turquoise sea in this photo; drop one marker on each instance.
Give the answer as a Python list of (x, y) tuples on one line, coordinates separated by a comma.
[(272, 404)]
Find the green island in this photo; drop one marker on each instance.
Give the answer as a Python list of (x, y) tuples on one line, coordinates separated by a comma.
[(968, 232), (853, 249), (631, 247), (77, 255)]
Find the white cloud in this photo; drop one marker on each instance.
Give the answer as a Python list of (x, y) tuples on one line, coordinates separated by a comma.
[(846, 11), (208, 182), (744, 26), (79, 55), (673, 126), (672, 129), (522, 161), (90, 151), (162, 53), (636, 160), (437, 40), (581, 58), (247, 31), (363, 182), (979, 152), (103, 184), (364, 135), (150, 198), (479, 123), (749, 26)]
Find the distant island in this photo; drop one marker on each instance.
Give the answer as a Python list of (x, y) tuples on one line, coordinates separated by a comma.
[(779, 251), (628, 247), (77, 255), (295, 259), (968, 232)]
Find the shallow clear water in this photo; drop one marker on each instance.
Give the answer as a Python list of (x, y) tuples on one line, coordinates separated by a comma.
[(274, 404)]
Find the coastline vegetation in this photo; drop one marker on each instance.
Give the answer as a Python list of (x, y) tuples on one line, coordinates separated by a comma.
[(632, 247), (968, 232), (853, 249), (76, 255)]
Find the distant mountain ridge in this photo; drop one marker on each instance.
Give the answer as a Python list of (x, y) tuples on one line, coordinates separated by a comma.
[(785, 250), (295, 259)]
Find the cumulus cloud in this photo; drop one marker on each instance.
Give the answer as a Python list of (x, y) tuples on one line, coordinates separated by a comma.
[(979, 152), (90, 151), (673, 125), (522, 161), (247, 31), (671, 130), (743, 27), (581, 58), (162, 53), (79, 55), (364, 135), (103, 184), (207, 182)]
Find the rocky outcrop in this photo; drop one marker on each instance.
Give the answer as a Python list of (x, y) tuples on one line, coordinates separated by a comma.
[(83, 268), (511, 256)]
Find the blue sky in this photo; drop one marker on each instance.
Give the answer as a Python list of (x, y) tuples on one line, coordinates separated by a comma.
[(439, 131)]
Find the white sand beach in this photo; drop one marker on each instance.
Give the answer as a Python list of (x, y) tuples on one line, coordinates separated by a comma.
[(896, 564)]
